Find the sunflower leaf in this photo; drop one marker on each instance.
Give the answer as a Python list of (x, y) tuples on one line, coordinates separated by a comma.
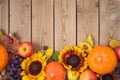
[(55, 55), (48, 53)]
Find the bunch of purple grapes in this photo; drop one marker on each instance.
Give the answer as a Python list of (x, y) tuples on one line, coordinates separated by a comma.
[(14, 69)]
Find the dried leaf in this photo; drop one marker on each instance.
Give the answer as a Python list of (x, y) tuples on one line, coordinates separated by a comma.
[(10, 42), (1, 34), (114, 43)]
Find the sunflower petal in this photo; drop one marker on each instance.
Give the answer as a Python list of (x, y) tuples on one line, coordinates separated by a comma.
[(25, 78), (72, 75), (41, 77), (23, 64), (23, 73)]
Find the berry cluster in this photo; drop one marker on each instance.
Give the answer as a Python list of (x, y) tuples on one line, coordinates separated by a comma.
[(14, 69)]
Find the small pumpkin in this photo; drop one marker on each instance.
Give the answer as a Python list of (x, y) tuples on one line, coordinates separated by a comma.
[(102, 60), (55, 71), (3, 57)]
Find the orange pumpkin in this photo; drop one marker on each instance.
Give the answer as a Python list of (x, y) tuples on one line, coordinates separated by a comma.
[(3, 57), (55, 71), (102, 60)]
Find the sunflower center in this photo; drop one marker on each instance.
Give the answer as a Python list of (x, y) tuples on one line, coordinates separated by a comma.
[(35, 67), (73, 60)]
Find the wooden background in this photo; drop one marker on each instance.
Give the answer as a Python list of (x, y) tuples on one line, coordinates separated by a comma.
[(59, 23)]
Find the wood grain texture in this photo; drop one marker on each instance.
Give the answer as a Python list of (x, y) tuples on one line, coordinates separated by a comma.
[(109, 20), (65, 23), (20, 19), (42, 26), (4, 16), (87, 20)]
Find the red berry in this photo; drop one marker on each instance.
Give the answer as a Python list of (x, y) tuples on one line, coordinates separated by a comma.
[(85, 47), (11, 40)]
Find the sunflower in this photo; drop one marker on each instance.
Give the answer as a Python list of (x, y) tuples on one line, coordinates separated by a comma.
[(73, 58), (33, 67)]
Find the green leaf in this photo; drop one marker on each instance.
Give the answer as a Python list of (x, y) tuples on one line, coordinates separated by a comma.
[(55, 55)]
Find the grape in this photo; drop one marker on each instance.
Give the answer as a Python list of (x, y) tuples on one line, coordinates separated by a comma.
[(19, 70), (16, 61), (12, 65), (7, 78), (14, 69), (45, 47), (107, 77), (8, 69), (11, 73), (20, 59), (16, 56)]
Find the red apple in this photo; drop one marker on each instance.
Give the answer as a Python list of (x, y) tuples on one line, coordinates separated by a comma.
[(117, 51), (25, 49), (88, 75)]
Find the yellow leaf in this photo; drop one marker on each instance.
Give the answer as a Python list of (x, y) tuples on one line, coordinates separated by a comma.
[(85, 46), (90, 40), (114, 43), (48, 53)]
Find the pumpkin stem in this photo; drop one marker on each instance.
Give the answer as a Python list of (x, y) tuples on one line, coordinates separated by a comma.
[(52, 75), (99, 59)]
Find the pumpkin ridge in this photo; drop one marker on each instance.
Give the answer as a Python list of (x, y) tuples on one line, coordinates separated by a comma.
[(3, 57), (59, 78)]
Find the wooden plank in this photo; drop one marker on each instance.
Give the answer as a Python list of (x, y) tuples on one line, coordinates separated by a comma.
[(42, 22), (87, 20), (65, 23), (109, 20), (20, 19), (4, 16)]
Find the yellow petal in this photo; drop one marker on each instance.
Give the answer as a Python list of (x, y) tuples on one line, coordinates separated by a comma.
[(25, 78), (41, 78), (24, 63), (72, 75), (23, 73)]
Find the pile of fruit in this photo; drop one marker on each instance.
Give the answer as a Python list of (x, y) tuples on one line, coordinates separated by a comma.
[(20, 61)]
